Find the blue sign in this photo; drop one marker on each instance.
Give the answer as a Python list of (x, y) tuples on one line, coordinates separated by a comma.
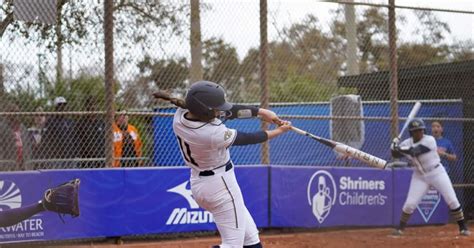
[(119, 202), (16, 191), (136, 201), (329, 196), (431, 210)]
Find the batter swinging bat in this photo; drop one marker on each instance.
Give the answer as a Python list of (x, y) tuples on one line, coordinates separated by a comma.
[(410, 117), (338, 147), (345, 149)]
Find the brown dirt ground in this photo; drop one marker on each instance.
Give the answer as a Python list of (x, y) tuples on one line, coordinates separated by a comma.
[(426, 236)]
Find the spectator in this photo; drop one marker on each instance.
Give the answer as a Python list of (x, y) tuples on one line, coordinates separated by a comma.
[(127, 143), (15, 145), (445, 147), (91, 136), (37, 130), (59, 136)]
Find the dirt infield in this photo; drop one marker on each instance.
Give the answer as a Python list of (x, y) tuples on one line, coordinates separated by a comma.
[(427, 236)]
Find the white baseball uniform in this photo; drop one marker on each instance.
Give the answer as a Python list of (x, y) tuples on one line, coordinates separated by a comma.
[(428, 171), (205, 148)]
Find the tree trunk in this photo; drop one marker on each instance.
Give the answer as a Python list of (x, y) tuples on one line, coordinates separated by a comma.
[(2, 86), (59, 45)]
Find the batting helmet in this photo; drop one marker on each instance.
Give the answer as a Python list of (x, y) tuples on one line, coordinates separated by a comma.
[(416, 124), (204, 97)]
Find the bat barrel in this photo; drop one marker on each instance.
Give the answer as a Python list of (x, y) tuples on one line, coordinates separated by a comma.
[(345, 149)]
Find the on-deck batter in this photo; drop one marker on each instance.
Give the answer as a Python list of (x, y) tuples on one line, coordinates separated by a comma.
[(204, 141), (421, 150)]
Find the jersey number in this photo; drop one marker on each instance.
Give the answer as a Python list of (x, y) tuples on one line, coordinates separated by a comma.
[(186, 151)]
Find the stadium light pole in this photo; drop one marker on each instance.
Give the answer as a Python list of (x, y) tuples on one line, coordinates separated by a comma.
[(351, 36)]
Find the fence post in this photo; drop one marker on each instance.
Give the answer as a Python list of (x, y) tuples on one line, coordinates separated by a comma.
[(264, 99), (109, 80), (392, 42), (196, 45), (2, 86)]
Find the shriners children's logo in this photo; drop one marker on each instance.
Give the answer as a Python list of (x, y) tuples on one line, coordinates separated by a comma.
[(321, 194)]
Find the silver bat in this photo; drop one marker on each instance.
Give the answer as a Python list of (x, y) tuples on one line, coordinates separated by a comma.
[(410, 117), (345, 149)]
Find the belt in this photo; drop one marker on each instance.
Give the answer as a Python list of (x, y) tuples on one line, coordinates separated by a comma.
[(206, 173), (436, 166)]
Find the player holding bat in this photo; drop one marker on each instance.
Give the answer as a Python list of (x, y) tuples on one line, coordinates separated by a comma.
[(204, 141), (421, 150)]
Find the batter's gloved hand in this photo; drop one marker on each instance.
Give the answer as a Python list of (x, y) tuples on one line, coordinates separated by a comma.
[(63, 199), (395, 144), (396, 164)]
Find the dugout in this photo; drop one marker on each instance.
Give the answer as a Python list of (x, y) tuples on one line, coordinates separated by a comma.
[(440, 81)]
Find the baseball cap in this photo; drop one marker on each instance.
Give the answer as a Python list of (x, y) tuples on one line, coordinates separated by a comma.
[(59, 100)]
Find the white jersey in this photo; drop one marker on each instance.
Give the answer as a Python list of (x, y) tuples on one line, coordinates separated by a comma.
[(203, 146), (426, 161), (428, 173)]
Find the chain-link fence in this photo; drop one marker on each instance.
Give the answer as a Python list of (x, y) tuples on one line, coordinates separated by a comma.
[(54, 85)]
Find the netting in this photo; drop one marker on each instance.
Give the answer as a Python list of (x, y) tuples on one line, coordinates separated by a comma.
[(53, 94)]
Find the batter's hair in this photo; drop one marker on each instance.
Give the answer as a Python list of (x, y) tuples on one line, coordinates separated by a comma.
[(167, 97)]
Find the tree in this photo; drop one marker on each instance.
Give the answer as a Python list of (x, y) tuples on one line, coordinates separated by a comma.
[(303, 66), (412, 54), (432, 30), (80, 19), (221, 65), (462, 50), (81, 26), (160, 74)]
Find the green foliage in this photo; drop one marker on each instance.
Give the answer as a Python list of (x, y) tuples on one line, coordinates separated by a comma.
[(298, 88), (165, 73), (410, 55), (84, 91), (79, 21)]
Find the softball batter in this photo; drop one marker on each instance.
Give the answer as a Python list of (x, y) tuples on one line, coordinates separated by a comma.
[(204, 141), (421, 150)]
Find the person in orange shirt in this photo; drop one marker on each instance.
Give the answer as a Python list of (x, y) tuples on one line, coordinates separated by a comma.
[(127, 143)]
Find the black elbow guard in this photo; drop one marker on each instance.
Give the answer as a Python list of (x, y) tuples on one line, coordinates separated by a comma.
[(242, 112), (250, 138)]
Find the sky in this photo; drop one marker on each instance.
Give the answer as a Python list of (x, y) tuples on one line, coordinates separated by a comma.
[(237, 22), (243, 32)]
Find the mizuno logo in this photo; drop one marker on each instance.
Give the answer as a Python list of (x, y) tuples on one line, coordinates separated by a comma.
[(193, 215), (185, 216)]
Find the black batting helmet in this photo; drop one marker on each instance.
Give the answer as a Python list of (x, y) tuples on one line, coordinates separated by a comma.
[(204, 97), (416, 124)]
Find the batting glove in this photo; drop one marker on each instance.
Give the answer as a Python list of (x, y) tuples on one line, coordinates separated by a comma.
[(395, 144)]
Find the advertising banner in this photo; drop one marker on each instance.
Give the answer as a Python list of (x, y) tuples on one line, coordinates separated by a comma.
[(139, 201), (119, 202), (431, 210), (329, 196)]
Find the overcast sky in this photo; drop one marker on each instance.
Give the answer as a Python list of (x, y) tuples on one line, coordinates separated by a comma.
[(237, 22), (242, 18)]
